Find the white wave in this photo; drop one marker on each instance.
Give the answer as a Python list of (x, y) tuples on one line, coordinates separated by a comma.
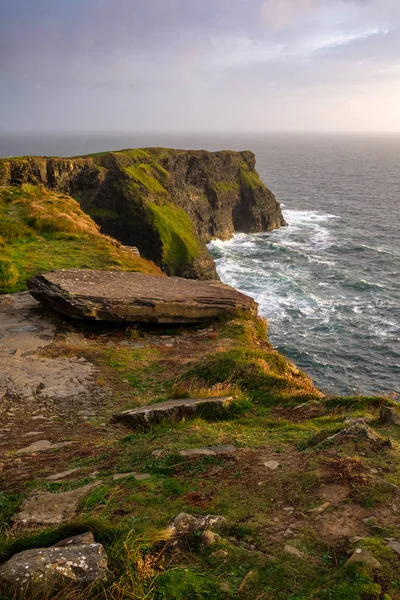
[(307, 216)]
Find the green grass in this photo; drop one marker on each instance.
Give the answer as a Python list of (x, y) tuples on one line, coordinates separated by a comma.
[(42, 230), (180, 244)]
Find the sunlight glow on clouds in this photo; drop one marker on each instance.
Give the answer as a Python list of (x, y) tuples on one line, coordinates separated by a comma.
[(210, 65)]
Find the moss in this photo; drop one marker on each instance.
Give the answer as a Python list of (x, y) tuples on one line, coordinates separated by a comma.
[(180, 244), (103, 213), (225, 187), (250, 179)]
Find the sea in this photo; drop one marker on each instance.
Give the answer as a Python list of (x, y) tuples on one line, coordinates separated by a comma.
[(329, 282)]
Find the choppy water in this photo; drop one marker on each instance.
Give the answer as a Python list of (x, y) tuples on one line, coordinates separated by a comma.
[(329, 283)]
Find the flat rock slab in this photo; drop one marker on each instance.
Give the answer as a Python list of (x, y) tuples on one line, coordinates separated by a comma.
[(75, 561), (136, 297), (52, 509), (222, 450), (171, 411), (42, 446)]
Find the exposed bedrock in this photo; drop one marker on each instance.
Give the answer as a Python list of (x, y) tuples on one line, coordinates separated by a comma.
[(167, 203), (136, 297)]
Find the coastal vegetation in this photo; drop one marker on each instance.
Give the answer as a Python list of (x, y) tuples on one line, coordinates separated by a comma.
[(41, 230)]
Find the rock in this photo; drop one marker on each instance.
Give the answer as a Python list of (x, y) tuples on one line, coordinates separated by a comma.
[(224, 586), (293, 551), (136, 297), (389, 416), (210, 451), (208, 538), (369, 520), (77, 561), (42, 446), (354, 431), (321, 508), (184, 524), (394, 545), (272, 465), (157, 453), (220, 554), (363, 556), (119, 476), (198, 452), (52, 509), (142, 476), (249, 578), (170, 411), (61, 475)]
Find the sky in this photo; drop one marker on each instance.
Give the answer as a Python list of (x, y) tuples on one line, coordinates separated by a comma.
[(200, 65)]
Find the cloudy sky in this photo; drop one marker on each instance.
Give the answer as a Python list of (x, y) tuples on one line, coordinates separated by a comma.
[(191, 65)]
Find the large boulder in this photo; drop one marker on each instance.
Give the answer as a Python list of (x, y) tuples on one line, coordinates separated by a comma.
[(76, 561), (136, 297)]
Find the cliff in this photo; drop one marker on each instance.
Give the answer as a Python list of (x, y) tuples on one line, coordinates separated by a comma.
[(168, 203)]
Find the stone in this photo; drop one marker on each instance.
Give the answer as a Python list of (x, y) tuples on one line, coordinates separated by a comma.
[(272, 465), (293, 551), (249, 578), (142, 476), (77, 561), (198, 452), (170, 411), (363, 556), (42, 446), (119, 476), (61, 475), (184, 523), (220, 554), (223, 449), (369, 520), (320, 509), (354, 431), (136, 297), (157, 453), (394, 545), (208, 538), (389, 416), (52, 509)]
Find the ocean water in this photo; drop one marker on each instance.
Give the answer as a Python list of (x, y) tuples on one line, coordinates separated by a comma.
[(329, 283)]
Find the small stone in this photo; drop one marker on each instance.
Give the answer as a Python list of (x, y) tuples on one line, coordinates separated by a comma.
[(250, 577), (288, 508), (394, 545), (142, 476), (355, 539), (220, 554), (272, 465), (363, 556), (61, 475), (293, 551), (373, 471), (157, 453), (320, 509), (288, 532), (389, 416), (208, 538), (369, 520), (119, 476), (32, 433), (224, 586), (185, 523)]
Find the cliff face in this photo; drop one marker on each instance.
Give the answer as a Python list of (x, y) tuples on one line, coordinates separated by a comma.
[(168, 203)]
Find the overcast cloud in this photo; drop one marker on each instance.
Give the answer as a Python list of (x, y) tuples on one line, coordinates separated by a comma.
[(190, 65)]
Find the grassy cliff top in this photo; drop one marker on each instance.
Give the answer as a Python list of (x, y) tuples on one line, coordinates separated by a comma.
[(41, 230)]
